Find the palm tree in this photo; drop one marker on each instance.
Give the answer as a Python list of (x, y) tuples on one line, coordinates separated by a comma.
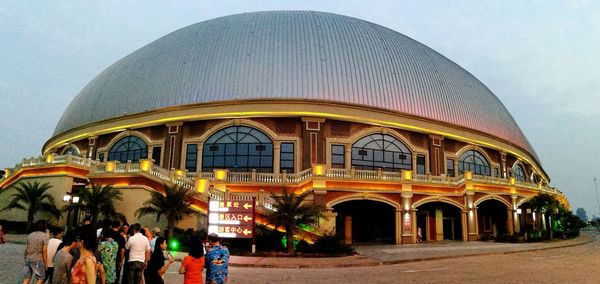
[(98, 199), (174, 204), (32, 196), (289, 211)]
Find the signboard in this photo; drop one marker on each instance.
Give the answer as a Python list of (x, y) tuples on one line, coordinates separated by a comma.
[(231, 218)]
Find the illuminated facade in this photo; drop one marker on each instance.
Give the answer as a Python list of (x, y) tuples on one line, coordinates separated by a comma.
[(389, 135)]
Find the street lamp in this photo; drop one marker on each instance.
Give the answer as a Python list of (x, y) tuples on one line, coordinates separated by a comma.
[(70, 198)]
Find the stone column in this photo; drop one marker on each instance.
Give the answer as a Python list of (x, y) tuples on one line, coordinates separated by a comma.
[(348, 157), (348, 230), (516, 221), (408, 219), (509, 221), (473, 234), (463, 225), (398, 218)]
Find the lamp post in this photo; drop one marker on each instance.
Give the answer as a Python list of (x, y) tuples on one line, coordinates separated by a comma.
[(70, 198)]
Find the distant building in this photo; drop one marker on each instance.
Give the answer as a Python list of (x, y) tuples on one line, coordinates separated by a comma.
[(581, 214), (387, 134)]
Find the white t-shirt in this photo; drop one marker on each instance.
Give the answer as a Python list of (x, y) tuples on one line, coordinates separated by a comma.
[(52, 246), (137, 245)]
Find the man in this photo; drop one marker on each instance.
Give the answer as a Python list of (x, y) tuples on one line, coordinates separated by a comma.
[(216, 261), (156, 234), (36, 254), (139, 254), (63, 259), (52, 247), (116, 235)]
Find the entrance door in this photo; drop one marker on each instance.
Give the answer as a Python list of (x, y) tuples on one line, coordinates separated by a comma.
[(372, 221)]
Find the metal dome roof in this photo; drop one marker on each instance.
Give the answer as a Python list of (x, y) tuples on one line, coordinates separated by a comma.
[(293, 55)]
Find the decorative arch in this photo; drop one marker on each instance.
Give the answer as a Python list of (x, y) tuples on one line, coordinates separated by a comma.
[(523, 201), (129, 148), (492, 197), (239, 122), (362, 196), (438, 199), (125, 134), (519, 172), (71, 148)]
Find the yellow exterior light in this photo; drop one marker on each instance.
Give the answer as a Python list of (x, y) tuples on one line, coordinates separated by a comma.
[(318, 170), (110, 166), (49, 158), (468, 175), (179, 172), (220, 175), (512, 181), (145, 165), (407, 175), (201, 184)]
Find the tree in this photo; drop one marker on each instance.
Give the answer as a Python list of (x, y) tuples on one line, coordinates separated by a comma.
[(174, 204), (547, 205), (290, 211), (32, 197), (98, 199)]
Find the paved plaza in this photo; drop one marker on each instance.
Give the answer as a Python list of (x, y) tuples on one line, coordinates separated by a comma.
[(571, 261)]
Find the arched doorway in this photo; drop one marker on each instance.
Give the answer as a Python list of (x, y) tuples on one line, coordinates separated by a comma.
[(439, 221), (366, 221), (492, 216)]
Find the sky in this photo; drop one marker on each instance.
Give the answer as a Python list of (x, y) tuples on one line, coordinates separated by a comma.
[(540, 58)]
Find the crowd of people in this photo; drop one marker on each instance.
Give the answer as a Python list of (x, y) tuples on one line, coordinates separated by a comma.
[(116, 253)]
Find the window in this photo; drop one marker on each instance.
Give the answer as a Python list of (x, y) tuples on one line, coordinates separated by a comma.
[(450, 168), (496, 172), (420, 164), (156, 155), (239, 149), (71, 150), (286, 157), (519, 173), (130, 148), (101, 157), (338, 159), (191, 157), (381, 151), (475, 162)]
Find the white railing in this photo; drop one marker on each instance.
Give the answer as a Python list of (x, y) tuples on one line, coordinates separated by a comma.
[(160, 172), (337, 173), (365, 174), (239, 176), (299, 176)]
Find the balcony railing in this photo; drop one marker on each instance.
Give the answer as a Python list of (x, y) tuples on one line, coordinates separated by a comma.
[(187, 180)]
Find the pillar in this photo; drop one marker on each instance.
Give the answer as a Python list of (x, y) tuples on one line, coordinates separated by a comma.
[(408, 226), (327, 223), (472, 234), (439, 224), (510, 221), (398, 226), (347, 157), (348, 230), (516, 221), (463, 225)]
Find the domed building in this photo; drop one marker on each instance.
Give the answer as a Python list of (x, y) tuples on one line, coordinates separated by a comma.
[(389, 136)]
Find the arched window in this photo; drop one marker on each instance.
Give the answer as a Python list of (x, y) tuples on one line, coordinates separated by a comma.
[(381, 151), (519, 173), (130, 148), (239, 149), (71, 150), (475, 162)]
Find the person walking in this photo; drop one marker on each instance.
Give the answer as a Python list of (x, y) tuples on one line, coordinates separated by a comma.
[(109, 249), (156, 266), (117, 237), (85, 269), (63, 259), (216, 261), (53, 244), (193, 264), (155, 234), (36, 254), (139, 253)]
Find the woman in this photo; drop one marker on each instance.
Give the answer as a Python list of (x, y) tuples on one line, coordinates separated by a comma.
[(193, 264), (108, 249), (156, 266), (84, 270), (128, 233)]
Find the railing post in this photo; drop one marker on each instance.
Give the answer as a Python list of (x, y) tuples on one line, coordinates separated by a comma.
[(260, 201), (128, 166), (253, 175), (379, 173), (352, 172), (69, 158), (284, 177), (227, 194)]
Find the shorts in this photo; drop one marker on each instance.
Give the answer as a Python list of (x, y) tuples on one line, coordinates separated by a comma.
[(36, 267)]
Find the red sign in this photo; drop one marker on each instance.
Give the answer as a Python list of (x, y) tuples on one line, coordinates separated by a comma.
[(238, 231), (242, 217), (236, 206)]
